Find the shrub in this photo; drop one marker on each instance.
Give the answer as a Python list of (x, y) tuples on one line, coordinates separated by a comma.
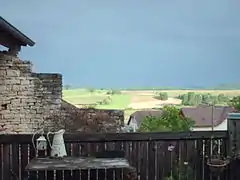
[(161, 96), (170, 120), (112, 92)]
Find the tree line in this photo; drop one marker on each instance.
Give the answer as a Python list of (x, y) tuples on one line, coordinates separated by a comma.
[(194, 99)]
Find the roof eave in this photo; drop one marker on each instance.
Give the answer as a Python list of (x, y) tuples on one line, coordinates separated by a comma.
[(16, 33)]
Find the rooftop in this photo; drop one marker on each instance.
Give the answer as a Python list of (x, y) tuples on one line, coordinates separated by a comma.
[(10, 36)]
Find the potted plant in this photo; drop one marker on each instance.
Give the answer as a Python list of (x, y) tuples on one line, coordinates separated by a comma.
[(217, 165)]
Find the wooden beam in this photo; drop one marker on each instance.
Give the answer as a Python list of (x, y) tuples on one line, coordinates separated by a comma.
[(113, 137)]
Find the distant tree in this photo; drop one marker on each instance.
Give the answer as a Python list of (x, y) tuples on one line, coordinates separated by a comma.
[(206, 99), (66, 87), (223, 99), (162, 96), (191, 98), (170, 120), (113, 91), (235, 102), (91, 90), (185, 100), (106, 101), (198, 99), (195, 99), (214, 100)]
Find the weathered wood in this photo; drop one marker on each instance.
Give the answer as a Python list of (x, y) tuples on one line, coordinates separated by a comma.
[(114, 137), (15, 161), (6, 162), (1, 163), (234, 144), (76, 163), (234, 134), (150, 157)]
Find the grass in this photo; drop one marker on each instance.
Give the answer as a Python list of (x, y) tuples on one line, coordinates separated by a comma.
[(84, 97), (85, 100), (118, 101), (122, 101)]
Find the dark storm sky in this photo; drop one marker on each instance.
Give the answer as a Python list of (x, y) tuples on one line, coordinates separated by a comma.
[(132, 43)]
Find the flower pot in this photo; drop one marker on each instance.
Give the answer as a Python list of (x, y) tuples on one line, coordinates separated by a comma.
[(217, 166)]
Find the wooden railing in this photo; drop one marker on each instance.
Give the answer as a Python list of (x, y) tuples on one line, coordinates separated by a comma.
[(156, 156)]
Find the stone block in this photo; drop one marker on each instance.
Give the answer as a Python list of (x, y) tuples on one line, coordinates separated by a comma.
[(24, 82), (12, 81), (13, 73)]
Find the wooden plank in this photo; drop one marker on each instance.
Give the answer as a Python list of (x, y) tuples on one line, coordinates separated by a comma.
[(59, 175), (76, 149), (41, 175), (102, 173), (208, 154), (67, 173), (119, 174), (24, 160), (110, 174), (6, 162), (15, 161), (76, 174), (191, 158), (1, 162), (84, 149), (32, 154), (160, 155), (50, 175), (111, 137), (152, 160), (134, 152), (72, 163)]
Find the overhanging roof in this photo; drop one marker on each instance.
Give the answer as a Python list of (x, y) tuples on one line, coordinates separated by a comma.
[(22, 39)]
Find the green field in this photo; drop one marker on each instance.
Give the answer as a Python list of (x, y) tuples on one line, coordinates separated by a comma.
[(84, 97), (129, 101)]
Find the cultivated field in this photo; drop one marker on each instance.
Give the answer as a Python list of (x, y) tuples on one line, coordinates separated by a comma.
[(130, 101)]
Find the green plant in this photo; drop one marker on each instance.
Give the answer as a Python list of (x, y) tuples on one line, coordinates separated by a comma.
[(91, 90), (235, 102), (113, 92), (194, 99), (170, 120), (181, 171), (161, 96)]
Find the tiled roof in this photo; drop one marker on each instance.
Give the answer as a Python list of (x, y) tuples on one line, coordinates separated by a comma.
[(204, 115)]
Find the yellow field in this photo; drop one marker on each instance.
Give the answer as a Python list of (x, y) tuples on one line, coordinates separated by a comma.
[(131, 101), (173, 93)]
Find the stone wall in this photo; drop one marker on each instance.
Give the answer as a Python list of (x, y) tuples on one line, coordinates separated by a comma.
[(26, 98), (75, 119), (32, 101)]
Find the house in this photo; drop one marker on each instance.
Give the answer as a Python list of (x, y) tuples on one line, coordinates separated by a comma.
[(202, 115), (206, 116), (138, 117)]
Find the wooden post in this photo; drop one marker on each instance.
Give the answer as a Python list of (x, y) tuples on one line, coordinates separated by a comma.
[(234, 134)]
